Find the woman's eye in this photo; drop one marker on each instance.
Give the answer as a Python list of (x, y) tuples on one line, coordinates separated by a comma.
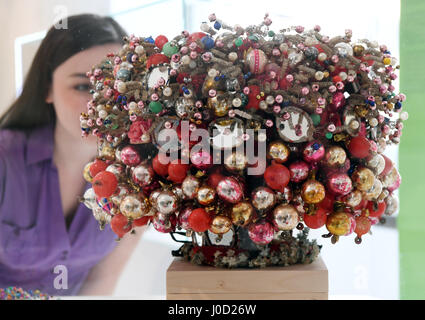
[(82, 87)]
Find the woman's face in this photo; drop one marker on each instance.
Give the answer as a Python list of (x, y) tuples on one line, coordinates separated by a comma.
[(70, 88)]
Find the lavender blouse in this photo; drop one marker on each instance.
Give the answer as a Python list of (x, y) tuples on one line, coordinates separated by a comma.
[(37, 250)]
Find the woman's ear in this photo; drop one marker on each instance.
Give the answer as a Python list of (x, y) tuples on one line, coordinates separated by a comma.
[(49, 97)]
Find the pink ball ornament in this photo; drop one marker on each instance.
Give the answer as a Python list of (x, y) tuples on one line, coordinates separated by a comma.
[(314, 151), (339, 184), (129, 156), (261, 233), (299, 171), (230, 190)]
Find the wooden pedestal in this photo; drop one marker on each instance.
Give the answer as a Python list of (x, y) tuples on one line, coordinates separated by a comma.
[(186, 281)]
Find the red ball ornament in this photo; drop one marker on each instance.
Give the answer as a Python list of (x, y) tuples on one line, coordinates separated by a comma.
[(328, 201), (214, 179), (104, 184), (379, 210), (318, 219), (160, 41), (177, 171), (359, 147), (120, 225), (156, 59), (97, 166), (194, 36), (199, 220), (254, 97), (277, 176), (363, 225), (160, 164), (141, 221)]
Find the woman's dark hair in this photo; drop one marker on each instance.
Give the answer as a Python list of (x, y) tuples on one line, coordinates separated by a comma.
[(84, 31)]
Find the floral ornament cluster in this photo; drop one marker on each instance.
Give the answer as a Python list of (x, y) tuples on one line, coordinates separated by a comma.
[(324, 108)]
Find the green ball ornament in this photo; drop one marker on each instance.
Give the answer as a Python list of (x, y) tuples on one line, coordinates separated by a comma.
[(169, 49), (155, 106)]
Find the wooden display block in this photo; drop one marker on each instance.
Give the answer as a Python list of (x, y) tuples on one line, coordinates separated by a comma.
[(186, 281)]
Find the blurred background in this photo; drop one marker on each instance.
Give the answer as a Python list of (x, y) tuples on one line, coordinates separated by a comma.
[(389, 263)]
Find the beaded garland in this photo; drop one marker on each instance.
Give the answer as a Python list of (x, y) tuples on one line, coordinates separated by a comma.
[(325, 108)]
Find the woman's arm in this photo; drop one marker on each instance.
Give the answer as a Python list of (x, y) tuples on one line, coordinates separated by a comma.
[(103, 277)]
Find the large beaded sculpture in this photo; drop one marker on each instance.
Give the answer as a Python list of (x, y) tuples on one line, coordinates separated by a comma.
[(238, 140)]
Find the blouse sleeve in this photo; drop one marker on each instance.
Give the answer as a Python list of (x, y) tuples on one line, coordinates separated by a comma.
[(2, 176)]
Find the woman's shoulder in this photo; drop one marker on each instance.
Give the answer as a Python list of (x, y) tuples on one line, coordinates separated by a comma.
[(25, 145), (11, 138)]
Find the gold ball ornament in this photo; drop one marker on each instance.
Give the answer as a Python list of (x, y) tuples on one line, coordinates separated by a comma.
[(242, 213), (220, 224), (335, 156), (133, 206), (313, 191), (86, 172), (235, 162), (339, 223), (206, 195), (278, 151), (363, 178), (353, 199)]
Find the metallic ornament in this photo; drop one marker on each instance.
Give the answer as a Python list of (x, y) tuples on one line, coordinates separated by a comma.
[(392, 205), (285, 217), (335, 156), (219, 104), (129, 156), (278, 151), (120, 193), (164, 223), (206, 195), (392, 180), (299, 171), (201, 159), (184, 107), (353, 199), (242, 213), (133, 206), (339, 223), (89, 199), (314, 151), (235, 162), (142, 175), (86, 172), (183, 218), (263, 198), (376, 163), (261, 233), (153, 196), (374, 192), (220, 224), (230, 190), (363, 178), (256, 60), (117, 169), (166, 202), (313, 191), (339, 184), (190, 187)]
